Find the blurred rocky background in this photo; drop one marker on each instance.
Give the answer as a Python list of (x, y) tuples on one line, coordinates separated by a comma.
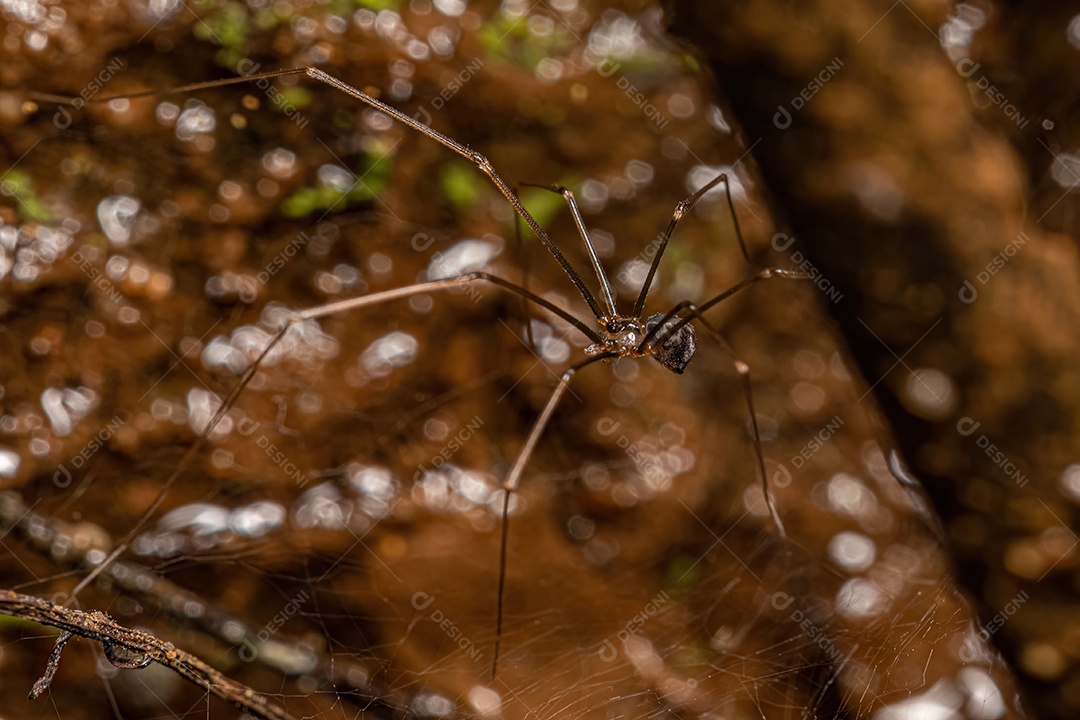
[(334, 542)]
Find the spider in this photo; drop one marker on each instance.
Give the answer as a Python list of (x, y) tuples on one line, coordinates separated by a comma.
[(668, 337)]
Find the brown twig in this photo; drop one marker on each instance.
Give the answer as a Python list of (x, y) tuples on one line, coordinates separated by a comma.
[(127, 648), (44, 534)]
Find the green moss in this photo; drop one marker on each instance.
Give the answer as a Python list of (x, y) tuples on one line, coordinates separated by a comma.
[(298, 97), (302, 202), (461, 184), (267, 19), (225, 26), (379, 4), (508, 40), (371, 178), (18, 185), (543, 204)]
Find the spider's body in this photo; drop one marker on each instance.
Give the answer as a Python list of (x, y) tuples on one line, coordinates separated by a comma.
[(627, 337)]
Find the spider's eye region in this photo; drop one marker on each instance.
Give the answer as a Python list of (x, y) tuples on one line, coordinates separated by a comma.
[(676, 350), (622, 335)]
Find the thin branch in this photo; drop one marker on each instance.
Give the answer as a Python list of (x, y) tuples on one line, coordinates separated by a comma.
[(353, 679), (127, 648)]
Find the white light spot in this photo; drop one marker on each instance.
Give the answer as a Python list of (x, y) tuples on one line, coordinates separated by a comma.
[(36, 41), (484, 700), (959, 30), (940, 702), (852, 551), (321, 507), (616, 36), (701, 175), (196, 119), (551, 349), (233, 631), (639, 172), (450, 8), (167, 112), (549, 70), (442, 41), (643, 656), (847, 495), (202, 405), (464, 257), (9, 463), (391, 351), (67, 407), (219, 352), (929, 392), (427, 704), (632, 274), (717, 119), (196, 518), (280, 163), (984, 697), (380, 264), (1066, 170), (257, 519), (116, 267), (337, 178), (432, 489), (681, 106), (372, 481), (593, 195), (116, 215), (474, 487), (1073, 32), (859, 598), (1070, 481)]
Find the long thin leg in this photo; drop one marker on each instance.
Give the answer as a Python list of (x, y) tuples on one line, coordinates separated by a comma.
[(320, 311), (659, 334), (740, 367), (579, 221), (471, 155), (514, 477), (421, 288), (744, 374), (680, 210), (230, 400)]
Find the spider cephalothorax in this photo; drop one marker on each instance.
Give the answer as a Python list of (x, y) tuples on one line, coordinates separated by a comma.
[(627, 337)]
